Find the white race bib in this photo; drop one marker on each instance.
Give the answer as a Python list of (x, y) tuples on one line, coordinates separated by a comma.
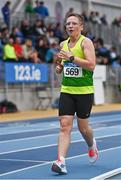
[(70, 71)]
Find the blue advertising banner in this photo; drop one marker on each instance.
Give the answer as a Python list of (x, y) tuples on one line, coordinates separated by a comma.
[(26, 72)]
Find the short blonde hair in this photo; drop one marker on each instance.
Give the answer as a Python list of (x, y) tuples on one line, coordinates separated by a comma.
[(80, 18)]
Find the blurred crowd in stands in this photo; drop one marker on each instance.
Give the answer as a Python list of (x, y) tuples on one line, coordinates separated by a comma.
[(38, 43)]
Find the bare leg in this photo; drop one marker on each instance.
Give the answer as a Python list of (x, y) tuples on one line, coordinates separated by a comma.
[(86, 131), (66, 123)]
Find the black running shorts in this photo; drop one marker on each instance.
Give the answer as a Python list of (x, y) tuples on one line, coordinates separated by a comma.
[(81, 104)]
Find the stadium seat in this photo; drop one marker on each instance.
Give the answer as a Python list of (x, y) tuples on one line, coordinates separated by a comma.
[(44, 97)]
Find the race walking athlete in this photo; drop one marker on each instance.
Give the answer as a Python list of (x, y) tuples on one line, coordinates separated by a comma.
[(76, 60)]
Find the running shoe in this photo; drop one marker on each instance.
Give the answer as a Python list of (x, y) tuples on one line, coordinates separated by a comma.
[(59, 167), (93, 153)]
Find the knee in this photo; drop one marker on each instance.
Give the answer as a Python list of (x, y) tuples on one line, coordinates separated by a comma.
[(66, 129), (85, 130)]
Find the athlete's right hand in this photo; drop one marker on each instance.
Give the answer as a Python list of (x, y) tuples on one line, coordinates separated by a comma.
[(59, 68)]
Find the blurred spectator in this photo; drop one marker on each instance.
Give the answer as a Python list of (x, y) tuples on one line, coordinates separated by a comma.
[(90, 35), (42, 47), (29, 52), (102, 52), (97, 18), (58, 32), (92, 17), (103, 19), (9, 51), (41, 10), (50, 26), (112, 55), (16, 33), (117, 21), (70, 11), (84, 14), (51, 38), (18, 49), (29, 10), (1, 47), (29, 7), (95, 43), (39, 28), (36, 9), (5, 35), (52, 51), (117, 62), (6, 13), (26, 29)]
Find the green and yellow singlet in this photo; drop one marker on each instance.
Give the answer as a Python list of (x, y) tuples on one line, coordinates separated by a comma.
[(76, 80)]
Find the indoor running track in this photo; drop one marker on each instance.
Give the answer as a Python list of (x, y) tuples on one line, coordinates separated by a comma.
[(27, 149)]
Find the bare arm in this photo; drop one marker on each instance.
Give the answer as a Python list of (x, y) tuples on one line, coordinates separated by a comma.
[(59, 66), (89, 61)]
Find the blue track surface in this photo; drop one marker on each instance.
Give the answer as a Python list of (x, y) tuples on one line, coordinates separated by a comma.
[(27, 148)]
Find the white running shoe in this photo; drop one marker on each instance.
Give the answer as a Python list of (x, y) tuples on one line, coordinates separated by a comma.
[(59, 167), (93, 153)]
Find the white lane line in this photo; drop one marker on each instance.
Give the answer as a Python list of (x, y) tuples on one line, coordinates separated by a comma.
[(31, 129), (108, 174), (50, 135), (50, 145), (72, 157), (22, 160)]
